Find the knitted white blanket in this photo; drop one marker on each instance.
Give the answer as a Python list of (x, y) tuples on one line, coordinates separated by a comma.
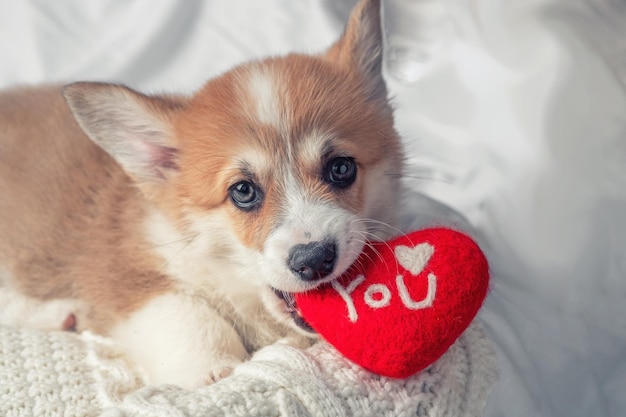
[(64, 374)]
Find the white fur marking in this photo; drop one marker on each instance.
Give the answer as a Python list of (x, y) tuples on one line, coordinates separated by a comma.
[(305, 221), (188, 257), (198, 261), (263, 87), (312, 146)]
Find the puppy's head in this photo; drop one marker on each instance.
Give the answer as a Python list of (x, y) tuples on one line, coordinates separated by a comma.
[(287, 165)]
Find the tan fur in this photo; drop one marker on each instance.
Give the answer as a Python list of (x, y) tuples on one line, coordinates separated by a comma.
[(138, 221), (69, 213)]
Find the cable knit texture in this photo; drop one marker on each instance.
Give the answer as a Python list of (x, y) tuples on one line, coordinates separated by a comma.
[(64, 374)]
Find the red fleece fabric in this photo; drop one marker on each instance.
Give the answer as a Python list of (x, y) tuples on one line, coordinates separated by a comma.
[(403, 303)]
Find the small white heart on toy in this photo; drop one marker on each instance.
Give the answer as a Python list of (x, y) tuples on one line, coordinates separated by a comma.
[(414, 259)]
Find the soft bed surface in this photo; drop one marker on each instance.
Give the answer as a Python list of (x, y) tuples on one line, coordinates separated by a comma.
[(517, 123), (61, 374)]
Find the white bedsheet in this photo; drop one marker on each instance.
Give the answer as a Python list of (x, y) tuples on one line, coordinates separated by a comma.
[(518, 122)]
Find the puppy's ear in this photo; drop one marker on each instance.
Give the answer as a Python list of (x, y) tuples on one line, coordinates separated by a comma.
[(133, 128), (361, 47)]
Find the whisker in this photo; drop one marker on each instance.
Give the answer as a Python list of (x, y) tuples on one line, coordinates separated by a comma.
[(178, 252), (367, 221), (161, 245), (424, 178), (365, 243), (377, 252)]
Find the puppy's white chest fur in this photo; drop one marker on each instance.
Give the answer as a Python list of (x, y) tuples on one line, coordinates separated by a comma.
[(213, 318), (192, 258), (204, 261)]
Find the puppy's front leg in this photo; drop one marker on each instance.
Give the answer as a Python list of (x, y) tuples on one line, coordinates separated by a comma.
[(179, 339)]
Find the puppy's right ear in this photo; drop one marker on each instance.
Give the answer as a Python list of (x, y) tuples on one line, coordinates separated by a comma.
[(361, 47), (133, 128)]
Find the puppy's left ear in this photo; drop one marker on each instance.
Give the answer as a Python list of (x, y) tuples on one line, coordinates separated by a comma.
[(361, 47)]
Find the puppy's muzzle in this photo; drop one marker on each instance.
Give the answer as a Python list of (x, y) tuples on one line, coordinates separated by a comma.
[(312, 261)]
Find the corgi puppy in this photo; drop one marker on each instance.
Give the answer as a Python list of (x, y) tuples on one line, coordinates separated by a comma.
[(180, 226)]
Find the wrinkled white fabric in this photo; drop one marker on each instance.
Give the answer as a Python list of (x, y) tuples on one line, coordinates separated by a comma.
[(516, 120)]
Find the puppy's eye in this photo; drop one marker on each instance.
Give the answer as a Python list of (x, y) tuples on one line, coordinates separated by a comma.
[(340, 172), (245, 195)]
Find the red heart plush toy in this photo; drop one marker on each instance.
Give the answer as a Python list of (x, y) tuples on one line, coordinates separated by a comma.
[(403, 303)]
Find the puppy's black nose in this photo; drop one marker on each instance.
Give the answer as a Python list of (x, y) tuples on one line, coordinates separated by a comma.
[(312, 261)]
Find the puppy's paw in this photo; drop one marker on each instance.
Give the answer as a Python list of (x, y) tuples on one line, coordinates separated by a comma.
[(221, 370)]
